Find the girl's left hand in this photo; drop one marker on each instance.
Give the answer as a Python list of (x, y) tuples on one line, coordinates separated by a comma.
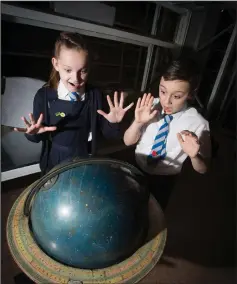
[(190, 143), (117, 111)]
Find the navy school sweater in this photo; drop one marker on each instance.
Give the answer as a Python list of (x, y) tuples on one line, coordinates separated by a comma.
[(74, 121)]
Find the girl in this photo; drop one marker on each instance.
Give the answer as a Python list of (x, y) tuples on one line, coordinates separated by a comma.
[(166, 137), (67, 112)]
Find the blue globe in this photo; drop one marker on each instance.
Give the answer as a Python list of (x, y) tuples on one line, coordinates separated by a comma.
[(91, 215)]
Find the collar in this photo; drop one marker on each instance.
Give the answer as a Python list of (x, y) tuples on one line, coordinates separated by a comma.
[(63, 92)]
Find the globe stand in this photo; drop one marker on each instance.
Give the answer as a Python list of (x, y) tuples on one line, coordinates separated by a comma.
[(41, 268)]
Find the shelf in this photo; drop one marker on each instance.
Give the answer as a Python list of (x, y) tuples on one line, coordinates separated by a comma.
[(36, 55)]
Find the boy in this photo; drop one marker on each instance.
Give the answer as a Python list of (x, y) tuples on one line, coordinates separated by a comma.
[(167, 137)]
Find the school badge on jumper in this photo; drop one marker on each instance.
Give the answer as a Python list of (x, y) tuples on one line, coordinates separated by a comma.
[(62, 114)]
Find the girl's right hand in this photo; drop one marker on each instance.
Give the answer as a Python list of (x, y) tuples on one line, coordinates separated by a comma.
[(143, 111), (33, 127)]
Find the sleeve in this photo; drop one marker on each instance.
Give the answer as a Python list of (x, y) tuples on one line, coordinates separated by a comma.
[(203, 134), (109, 130), (38, 108)]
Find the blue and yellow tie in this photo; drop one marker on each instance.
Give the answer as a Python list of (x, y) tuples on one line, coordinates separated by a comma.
[(158, 150)]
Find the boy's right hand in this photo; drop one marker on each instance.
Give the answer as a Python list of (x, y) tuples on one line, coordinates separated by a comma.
[(143, 111), (33, 127)]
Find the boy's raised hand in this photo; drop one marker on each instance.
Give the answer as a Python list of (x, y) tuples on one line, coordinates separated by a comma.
[(190, 143), (143, 111), (117, 111), (33, 127)]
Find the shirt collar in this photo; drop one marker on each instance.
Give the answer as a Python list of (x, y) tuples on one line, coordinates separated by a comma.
[(62, 91)]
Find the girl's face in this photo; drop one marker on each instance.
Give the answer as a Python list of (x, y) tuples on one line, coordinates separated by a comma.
[(173, 95), (72, 66)]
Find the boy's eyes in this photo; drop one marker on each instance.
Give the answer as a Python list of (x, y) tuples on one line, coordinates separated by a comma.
[(175, 96), (68, 70)]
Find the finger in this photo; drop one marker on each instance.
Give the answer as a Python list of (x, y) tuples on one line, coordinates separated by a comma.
[(185, 132), (50, 128), (18, 129), (150, 103), (153, 114), (189, 134), (197, 141), (147, 99), (138, 103), (26, 121), (193, 134), (101, 112), (180, 138), (128, 107), (191, 137), (143, 100), (40, 120), (32, 120), (110, 102), (116, 99), (121, 100)]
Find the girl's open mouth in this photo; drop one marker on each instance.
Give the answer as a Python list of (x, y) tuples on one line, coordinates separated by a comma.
[(74, 85)]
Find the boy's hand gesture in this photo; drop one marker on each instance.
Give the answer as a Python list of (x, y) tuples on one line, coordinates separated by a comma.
[(143, 111), (33, 127), (190, 143), (117, 111)]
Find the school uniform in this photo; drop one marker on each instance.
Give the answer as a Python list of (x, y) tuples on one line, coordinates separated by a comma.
[(78, 124), (163, 172)]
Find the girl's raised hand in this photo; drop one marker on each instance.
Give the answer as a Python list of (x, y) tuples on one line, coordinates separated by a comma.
[(33, 127), (117, 111)]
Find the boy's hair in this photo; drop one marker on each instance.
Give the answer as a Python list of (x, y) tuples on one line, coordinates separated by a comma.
[(185, 70), (69, 40)]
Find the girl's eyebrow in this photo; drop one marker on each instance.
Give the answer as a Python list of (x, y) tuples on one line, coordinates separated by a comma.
[(66, 66)]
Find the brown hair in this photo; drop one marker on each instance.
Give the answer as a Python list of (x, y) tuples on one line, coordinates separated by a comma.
[(184, 69), (69, 40)]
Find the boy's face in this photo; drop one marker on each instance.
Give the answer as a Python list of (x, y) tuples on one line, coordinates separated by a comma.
[(173, 95), (72, 66)]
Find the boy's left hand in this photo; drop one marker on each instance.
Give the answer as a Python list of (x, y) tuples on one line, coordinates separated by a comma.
[(117, 111), (190, 143)]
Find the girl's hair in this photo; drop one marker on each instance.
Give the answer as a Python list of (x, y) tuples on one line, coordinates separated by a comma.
[(185, 70), (69, 40)]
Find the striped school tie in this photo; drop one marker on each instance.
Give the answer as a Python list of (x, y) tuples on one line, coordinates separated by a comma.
[(158, 150), (74, 96)]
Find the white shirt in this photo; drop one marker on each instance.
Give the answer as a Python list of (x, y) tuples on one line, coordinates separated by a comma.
[(187, 119), (63, 94)]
